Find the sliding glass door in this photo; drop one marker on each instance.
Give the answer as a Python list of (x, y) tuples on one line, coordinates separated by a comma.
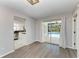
[(54, 31)]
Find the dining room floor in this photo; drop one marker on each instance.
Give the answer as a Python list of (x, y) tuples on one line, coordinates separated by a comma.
[(42, 50)]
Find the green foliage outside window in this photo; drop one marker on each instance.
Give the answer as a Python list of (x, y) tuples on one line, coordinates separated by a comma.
[(54, 27)]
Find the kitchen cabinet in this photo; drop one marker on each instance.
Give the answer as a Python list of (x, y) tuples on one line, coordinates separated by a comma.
[(21, 40)]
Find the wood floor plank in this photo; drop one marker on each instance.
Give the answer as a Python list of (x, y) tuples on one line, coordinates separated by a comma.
[(42, 50)]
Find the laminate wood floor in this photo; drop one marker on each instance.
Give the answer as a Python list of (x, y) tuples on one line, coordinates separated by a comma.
[(42, 50)]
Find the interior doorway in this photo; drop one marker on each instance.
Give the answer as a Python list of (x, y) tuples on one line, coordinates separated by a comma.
[(51, 32), (19, 32)]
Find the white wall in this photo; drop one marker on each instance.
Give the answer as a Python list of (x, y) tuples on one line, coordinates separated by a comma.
[(6, 33), (69, 40), (38, 30), (6, 30), (30, 30)]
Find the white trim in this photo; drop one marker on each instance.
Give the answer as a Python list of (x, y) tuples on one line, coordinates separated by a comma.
[(28, 43), (6, 53), (70, 47)]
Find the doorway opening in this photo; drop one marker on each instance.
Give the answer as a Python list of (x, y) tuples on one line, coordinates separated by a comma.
[(19, 32), (51, 32)]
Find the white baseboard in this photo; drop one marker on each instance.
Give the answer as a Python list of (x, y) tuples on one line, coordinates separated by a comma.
[(30, 43), (63, 47), (6, 53), (70, 47)]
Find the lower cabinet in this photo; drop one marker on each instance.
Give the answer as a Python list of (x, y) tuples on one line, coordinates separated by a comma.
[(21, 40)]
